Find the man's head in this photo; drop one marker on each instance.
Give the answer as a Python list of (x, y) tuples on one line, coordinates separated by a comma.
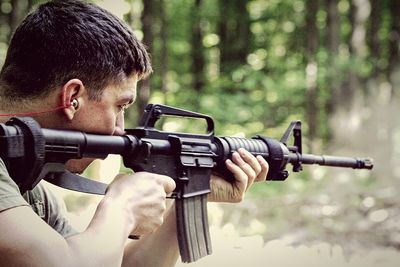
[(63, 40), (76, 56)]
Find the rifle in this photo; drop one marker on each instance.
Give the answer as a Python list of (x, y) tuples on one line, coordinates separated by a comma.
[(187, 158)]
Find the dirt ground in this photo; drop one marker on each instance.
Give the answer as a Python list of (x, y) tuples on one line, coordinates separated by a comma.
[(253, 252)]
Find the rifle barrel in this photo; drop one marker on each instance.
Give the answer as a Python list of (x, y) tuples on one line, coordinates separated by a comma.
[(334, 161)]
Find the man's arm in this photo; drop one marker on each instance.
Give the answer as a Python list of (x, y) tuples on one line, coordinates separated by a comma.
[(134, 204), (158, 249), (29, 241)]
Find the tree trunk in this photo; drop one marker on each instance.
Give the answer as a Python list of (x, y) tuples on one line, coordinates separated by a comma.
[(164, 49), (234, 33), (311, 70), (333, 27), (3, 21), (361, 11), (394, 41), (148, 36), (197, 50), (373, 35), (353, 93), (12, 19), (18, 12)]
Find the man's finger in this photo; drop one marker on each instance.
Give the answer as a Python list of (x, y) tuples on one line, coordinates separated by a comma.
[(244, 166), (251, 160), (262, 176), (169, 184)]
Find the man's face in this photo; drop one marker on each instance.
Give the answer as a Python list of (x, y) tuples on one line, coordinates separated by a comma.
[(105, 116)]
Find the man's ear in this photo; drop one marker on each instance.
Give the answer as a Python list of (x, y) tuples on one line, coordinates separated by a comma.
[(72, 97)]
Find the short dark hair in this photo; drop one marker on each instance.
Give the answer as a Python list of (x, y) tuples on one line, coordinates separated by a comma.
[(62, 40)]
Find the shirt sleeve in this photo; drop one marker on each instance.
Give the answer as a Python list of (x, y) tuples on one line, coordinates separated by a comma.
[(42, 200), (55, 212), (10, 196)]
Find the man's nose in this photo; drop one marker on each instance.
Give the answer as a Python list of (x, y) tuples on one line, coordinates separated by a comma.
[(120, 124)]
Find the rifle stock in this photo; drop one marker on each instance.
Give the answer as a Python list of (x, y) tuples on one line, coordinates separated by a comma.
[(187, 158)]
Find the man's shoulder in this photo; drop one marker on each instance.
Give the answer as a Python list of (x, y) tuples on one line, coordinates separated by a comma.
[(10, 195), (42, 200), (37, 200), (38, 196), (51, 208)]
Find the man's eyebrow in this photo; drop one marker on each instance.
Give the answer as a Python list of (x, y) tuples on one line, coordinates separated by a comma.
[(128, 99)]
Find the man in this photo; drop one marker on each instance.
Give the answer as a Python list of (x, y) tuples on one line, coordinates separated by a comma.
[(75, 66)]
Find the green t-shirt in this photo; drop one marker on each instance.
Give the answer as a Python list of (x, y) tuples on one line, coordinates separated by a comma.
[(43, 202)]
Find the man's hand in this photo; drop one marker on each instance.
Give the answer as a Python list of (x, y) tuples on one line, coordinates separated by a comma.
[(246, 169), (142, 197)]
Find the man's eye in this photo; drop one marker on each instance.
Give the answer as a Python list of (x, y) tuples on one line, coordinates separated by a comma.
[(123, 107), (126, 105)]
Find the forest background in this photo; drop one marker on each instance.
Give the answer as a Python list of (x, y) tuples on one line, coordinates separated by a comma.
[(256, 65)]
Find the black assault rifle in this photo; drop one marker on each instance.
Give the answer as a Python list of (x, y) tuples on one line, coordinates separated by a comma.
[(32, 154)]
